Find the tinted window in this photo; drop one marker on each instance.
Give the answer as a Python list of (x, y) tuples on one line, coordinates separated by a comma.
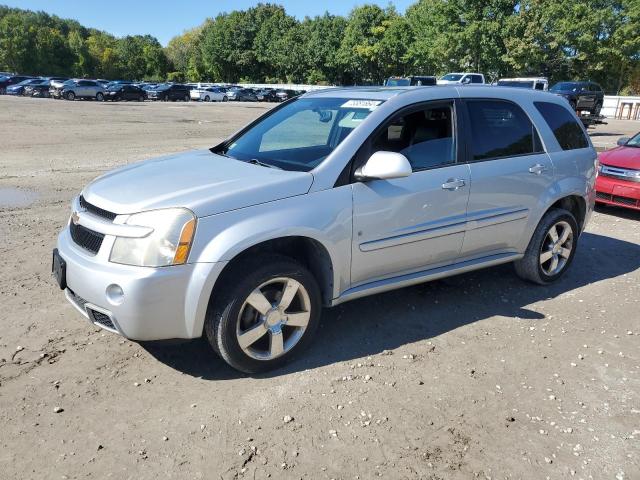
[(476, 79), (500, 129), (425, 137), (539, 86), (564, 126)]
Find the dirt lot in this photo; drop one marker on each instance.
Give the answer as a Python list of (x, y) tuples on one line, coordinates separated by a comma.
[(479, 376)]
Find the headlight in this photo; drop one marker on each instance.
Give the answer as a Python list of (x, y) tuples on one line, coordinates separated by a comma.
[(168, 244)]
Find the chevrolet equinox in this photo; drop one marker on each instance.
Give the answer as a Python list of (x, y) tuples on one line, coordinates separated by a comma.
[(331, 196)]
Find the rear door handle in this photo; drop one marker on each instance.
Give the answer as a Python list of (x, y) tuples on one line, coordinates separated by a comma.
[(538, 169), (453, 184)]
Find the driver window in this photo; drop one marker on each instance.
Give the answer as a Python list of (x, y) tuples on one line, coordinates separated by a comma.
[(425, 137)]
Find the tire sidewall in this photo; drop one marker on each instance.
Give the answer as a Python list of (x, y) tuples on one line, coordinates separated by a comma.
[(221, 326)]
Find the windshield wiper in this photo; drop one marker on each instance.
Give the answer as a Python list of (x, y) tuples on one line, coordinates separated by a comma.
[(255, 161)]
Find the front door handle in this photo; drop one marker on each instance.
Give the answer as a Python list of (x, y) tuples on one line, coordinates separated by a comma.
[(453, 184), (538, 169)]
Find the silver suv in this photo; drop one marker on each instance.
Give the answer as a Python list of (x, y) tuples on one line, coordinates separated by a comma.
[(331, 196), (73, 89)]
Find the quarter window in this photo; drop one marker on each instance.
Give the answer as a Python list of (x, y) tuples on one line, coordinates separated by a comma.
[(501, 129), (566, 129), (424, 136)]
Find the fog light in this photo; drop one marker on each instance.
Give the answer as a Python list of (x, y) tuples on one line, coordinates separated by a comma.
[(115, 295)]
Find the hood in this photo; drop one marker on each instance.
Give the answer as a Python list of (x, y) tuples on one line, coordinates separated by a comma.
[(202, 181), (622, 157)]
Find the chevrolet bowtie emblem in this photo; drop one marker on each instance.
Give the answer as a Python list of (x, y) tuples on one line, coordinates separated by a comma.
[(75, 218)]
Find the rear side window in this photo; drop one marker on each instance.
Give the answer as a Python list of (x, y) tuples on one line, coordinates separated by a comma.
[(501, 129), (476, 79), (566, 129)]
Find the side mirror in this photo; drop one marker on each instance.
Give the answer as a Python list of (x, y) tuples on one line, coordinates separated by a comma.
[(623, 140), (384, 166)]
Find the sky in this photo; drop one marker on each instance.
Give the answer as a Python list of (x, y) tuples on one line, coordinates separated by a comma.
[(166, 18)]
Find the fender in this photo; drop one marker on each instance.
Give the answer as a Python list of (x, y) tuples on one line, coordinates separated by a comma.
[(220, 238)]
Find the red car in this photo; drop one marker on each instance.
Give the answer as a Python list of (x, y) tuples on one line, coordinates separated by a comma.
[(618, 181)]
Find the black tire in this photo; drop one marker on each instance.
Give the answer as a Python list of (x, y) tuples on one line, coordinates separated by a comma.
[(225, 99), (207, 98), (223, 314), (529, 267), (100, 97), (597, 109), (71, 96), (141, 98), (3, 91)]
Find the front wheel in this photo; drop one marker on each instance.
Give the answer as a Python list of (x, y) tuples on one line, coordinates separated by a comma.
[(100, 97), (268, 311), (71, 96), (186, 98), (207, 98), (551, 249), (225, 99)]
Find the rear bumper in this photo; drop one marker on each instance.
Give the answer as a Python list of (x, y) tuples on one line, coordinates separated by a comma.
[(158, 303), (617, 192)]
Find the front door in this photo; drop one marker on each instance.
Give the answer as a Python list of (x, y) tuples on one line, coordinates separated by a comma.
[(510, 173), (410, 224)]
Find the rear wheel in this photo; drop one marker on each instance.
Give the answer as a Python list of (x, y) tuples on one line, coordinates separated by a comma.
[(268, 312), (207, 98), (186, 98), (100, 97), (3, 91), (551, 249), (141, 98), (225, 99)]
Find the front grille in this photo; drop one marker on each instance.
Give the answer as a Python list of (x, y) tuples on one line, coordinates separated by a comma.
[(87, 239), (631, 202), (96, 210), (625, 200), (101, 319)]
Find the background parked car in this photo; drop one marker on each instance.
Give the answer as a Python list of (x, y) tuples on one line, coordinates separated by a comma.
[(209, 94), (232, 92), (618, 181), (6, 82), (18, 88), (169, 92), (540, 83), (119, 91), (37, 89), (73, 89), (246, 95), (582, 96), (267, 95), (410, 81), (286, 94), (462, 78)]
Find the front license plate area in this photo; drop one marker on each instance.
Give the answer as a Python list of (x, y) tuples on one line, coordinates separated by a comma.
[(59, 269)]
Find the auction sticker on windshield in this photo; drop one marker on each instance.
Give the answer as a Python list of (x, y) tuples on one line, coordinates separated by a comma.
[(370, 104)]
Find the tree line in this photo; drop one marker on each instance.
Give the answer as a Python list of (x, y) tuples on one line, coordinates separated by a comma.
[(561, 39)]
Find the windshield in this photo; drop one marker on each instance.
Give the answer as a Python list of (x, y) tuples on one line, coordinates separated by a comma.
[(634, 142), (398, 82), (564, 86), (301, 134), (454, 77), (516, 83)]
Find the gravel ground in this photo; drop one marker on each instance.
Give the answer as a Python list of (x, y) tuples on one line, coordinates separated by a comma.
[(477, 376)]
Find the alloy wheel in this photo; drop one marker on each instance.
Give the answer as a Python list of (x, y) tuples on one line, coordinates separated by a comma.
[(273, 318), (556, 248)]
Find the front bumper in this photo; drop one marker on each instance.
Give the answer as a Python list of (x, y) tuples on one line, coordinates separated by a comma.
[(621, 193), (158, 303)]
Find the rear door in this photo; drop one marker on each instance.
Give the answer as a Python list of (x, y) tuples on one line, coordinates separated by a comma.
[(415, 223), (510, 172)]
